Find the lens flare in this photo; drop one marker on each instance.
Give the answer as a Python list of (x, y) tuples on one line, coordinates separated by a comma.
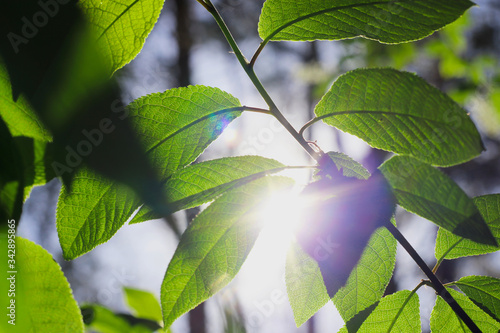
[(282, 212)]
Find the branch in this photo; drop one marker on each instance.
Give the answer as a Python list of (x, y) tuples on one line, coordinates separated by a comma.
[(437, 285), (255, 80)]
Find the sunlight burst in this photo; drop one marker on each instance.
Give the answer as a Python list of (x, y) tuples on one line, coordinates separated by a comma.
[(282, 212), (279, 217)]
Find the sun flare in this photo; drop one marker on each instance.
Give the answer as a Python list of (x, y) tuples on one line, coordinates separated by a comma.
[(279, 216), (281, 213)]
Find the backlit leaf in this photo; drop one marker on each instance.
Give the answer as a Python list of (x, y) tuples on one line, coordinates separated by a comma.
[(213, 248), (398, 312), (484, 291), (121, 26), (450, 246), (43, 298), (143, 303), (103, 320), (385, 21), (342, 215), (400, 112), (367, 282), (350, 167), (304, 284), (11, 177), (175, 127), (18, 115), (444, 320), (202, 182), (63, 76), (426, 191), (92, 212), (37, 157), (27, 164), (365, 286)]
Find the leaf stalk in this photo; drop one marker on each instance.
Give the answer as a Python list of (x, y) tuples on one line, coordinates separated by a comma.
[(257, 52), (440, 261)]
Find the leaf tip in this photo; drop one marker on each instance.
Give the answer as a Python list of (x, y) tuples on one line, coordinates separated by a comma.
[(481, 232)]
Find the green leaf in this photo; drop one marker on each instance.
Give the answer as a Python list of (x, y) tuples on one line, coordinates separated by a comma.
[(370, 277), (18, 115), (42, 296), (121, 26), (385, 21), (450, 246), (443, 319), (103, 320), (214, 246), (398, 312), (400, 112), (304, 284), (350, 167), (62, 76), (92, 212), (484, 291), (426, 191), (34, 63), (202, 182), (365, 286), (353, 324), (11, 199), (28, 164), (37, 158), (143, 303), (175, 127), (344, 214), (11, 177)]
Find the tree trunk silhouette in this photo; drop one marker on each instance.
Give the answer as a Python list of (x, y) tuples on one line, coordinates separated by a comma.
[(197, 319), (184, 42)]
